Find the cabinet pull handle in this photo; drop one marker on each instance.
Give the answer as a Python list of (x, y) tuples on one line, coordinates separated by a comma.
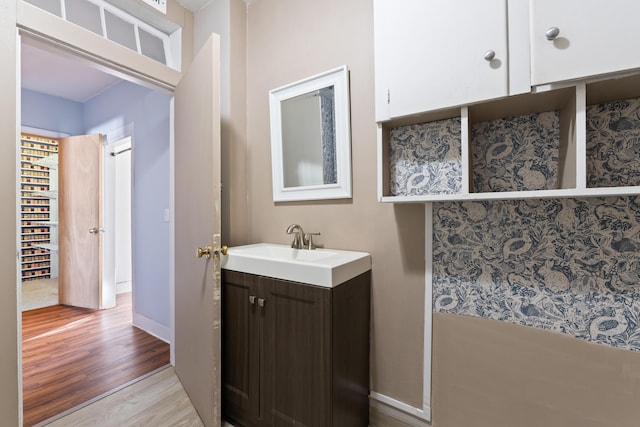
[(252, 299), (552, 33), (489, 55), (261, 302)]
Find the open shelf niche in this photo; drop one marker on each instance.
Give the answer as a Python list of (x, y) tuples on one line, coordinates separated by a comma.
[(613, 134), (523, 144), (579, 140)]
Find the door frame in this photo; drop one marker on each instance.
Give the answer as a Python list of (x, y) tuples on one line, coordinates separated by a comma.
[(114, 144), (33, 23)]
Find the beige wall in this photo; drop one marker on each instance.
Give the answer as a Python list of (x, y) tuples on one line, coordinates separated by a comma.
[(228, 18), (485, 373), (292, 39), (234, 147), (9, 391), (491, 373)]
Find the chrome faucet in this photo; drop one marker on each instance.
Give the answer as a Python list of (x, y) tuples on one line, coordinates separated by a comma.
[(298, 236), (301, 240)]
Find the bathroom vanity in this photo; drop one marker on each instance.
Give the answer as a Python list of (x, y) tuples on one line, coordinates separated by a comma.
[(295, 353)]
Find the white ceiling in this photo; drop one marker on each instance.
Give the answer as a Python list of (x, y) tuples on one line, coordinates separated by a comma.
[(60, 75), (193, 5)]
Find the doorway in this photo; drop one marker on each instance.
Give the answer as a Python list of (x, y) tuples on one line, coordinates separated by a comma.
[(163, 254), (118, 213), (101, 114), (121, 153)]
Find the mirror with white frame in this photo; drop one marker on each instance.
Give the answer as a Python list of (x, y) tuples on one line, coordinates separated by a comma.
[(311, 138)]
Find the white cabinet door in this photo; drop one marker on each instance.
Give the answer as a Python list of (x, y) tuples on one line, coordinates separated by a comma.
[(595, 37), (430, 54)]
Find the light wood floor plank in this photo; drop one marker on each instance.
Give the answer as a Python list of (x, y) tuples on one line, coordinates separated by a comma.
[(158, 400)]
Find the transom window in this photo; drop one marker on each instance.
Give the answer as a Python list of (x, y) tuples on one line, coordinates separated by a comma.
[(119, 26)]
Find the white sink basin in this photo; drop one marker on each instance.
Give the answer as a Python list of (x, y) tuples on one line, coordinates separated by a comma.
[(321, 267)]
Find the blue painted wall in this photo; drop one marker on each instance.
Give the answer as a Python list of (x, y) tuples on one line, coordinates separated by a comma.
[(147, 113), (51, 113)]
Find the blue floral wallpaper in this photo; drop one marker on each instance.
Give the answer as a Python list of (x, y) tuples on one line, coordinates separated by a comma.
[(516, 153), (613, 144), (425, 158), (567, 265)]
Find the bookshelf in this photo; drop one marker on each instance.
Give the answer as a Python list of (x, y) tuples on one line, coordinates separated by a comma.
[(38, 207)]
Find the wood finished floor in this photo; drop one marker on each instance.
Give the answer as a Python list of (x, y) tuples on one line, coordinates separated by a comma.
[(72, 355), (156, 401)]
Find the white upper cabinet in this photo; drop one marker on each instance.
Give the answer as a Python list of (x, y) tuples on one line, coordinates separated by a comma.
[(593, 38), (434, 54)]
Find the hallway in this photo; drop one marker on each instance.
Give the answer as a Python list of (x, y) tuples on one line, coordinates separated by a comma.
[(73, 355)]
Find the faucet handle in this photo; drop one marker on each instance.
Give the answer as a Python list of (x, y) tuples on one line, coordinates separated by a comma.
[(309, 238)]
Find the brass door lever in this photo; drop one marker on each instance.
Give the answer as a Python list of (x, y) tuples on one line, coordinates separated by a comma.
[(207, 251)]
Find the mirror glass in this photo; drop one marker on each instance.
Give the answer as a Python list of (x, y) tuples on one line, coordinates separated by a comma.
[(310, 138)]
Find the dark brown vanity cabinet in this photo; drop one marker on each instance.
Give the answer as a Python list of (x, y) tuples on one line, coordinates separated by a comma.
[(295, 354)]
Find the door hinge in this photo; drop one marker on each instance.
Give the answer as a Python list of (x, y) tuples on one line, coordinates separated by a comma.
[(388, 96)]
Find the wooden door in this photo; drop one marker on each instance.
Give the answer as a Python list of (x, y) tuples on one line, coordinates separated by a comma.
[(80, 221), (197, 223), (297, 348)]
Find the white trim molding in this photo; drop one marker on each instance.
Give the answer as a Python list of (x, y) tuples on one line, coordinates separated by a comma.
[(152, 327), (416, 417), (428, 310)]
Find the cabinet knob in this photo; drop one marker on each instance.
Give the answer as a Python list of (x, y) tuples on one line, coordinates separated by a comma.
[(261, 302), (489, 55), (552, 33), (252, 299)]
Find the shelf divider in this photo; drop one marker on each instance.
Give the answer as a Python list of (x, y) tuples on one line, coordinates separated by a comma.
[(581, 137), (465, 150)]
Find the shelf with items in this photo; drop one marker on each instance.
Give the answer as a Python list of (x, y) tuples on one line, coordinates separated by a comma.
[(42, 273), (44, 235), (579, 140), (38, 194), (30, 266), (36, 141), (34, 255)]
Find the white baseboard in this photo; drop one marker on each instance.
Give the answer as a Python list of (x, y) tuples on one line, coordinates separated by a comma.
[(152, 327), (123, 287), (408, 414)]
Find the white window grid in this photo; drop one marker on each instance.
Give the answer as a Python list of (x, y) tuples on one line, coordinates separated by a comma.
[(166, 39)]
